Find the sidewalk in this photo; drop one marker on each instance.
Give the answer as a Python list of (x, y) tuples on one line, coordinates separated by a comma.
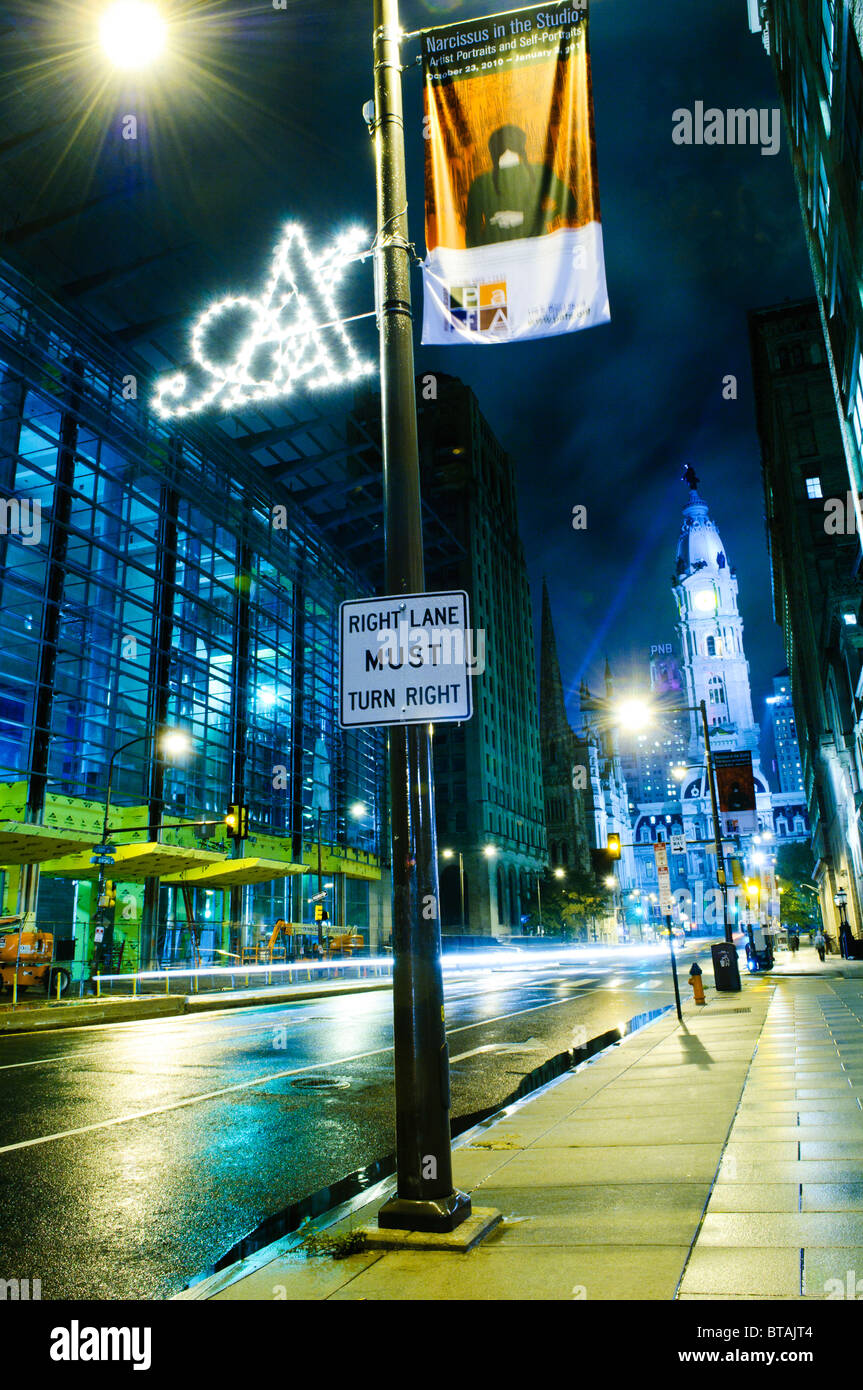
[(717, 1159)]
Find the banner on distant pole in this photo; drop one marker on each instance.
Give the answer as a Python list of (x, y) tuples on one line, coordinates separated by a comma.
[(735, 786), (513, 234)]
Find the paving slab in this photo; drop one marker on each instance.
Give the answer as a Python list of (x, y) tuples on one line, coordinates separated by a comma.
[(754, 1196), (833, 1196), (833, 1274), (768, 1228), (510, 1272), (723, 1272)]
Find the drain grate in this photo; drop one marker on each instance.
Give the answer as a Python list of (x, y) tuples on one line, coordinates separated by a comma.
[(321, 1083), (736, 1011)]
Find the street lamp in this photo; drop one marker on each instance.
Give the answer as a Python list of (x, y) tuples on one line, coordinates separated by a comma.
[(840, 898), (132, 33)]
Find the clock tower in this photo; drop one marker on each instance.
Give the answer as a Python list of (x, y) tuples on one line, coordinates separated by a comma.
[(711, 634)]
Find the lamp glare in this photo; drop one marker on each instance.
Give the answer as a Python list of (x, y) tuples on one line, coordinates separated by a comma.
[(132, 33)]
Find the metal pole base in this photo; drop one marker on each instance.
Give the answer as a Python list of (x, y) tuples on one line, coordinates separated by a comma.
[(437, 1214)]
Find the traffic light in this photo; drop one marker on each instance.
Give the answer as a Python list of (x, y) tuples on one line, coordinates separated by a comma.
[(613, 847), (237, 821)]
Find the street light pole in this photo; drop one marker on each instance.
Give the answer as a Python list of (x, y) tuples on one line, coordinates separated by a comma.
[(320, 884), (101, 911), (426, 1199)]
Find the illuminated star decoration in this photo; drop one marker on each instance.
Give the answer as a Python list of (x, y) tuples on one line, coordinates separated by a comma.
[(295, 336)]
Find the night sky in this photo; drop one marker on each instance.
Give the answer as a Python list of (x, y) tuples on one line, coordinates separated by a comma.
[(261, 121), (694, 238)]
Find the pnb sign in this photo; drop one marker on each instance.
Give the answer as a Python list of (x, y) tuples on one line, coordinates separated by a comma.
[(661, 649), (404, 660)]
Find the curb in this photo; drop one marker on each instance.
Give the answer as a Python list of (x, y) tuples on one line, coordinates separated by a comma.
[(106, 1012)]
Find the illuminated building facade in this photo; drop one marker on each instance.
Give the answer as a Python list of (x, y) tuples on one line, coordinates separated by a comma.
[(817, 592), (816, 49), (715, 670), (171, 581)]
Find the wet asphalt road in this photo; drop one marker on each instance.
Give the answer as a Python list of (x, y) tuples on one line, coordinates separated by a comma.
[(133, 1156)]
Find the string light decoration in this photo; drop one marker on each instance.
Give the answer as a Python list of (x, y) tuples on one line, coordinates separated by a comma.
[(295, 335)]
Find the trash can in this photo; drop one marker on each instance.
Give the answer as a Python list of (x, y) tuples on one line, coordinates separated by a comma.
[(726, 974)]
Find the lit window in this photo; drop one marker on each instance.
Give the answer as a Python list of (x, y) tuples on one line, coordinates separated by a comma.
[(849, 619), (813, 487)]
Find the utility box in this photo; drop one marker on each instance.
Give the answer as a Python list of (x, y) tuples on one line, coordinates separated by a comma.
[(726, 973)]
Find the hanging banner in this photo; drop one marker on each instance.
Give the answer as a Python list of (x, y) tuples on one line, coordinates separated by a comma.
[(735, 788), (513, 236)]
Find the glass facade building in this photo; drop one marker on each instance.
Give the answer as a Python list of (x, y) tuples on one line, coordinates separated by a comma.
[(153, 578)]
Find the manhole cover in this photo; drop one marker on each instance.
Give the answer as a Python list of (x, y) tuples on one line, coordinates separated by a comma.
[(320, 1083)]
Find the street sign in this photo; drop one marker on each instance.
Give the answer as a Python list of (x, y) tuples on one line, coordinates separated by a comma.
[(404, 660), (660, 853), (678, 844)]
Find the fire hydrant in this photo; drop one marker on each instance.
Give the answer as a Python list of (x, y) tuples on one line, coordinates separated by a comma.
[(695, 981)]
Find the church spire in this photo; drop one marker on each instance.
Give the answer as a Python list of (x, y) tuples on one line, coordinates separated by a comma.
[(715, 668)]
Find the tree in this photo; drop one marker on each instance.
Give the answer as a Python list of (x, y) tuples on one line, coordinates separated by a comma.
[(798, 904), (586, 899), (571, 904)]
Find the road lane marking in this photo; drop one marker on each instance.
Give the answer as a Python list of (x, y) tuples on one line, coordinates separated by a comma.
[(38, 1062), (275, 1076), (249, 1085), (189, 1100), (225, 1015), (475, 1051)]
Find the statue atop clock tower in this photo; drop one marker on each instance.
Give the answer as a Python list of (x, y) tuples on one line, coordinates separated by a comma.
[(711, 632)]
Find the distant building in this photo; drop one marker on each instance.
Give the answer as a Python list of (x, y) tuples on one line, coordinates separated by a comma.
[(817, 595), (648, 756), (564, 771), (782, 727), (488, 772), (608, 796), (815, 50)]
